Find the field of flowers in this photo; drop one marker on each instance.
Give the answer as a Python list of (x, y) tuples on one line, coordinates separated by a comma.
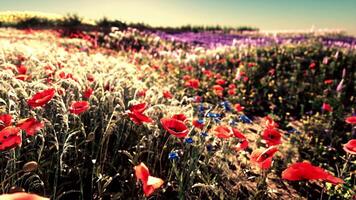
[(128, 114)]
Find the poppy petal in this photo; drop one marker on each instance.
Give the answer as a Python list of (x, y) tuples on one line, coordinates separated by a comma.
[(21, 196), (175, 127), (41, 98)]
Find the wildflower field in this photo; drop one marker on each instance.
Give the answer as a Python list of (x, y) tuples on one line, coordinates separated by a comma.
[(134, 114)]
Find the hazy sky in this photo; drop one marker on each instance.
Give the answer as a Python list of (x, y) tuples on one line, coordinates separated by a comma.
[(264, 14)]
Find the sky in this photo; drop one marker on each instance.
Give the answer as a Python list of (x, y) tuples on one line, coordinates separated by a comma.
[(263, 14)]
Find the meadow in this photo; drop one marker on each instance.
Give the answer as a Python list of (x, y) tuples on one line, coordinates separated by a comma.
[(124, 113)]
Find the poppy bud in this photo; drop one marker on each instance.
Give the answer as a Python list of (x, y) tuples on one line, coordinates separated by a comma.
[(30, 166)]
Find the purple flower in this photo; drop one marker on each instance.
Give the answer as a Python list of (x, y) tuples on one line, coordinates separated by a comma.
[(340, 86), (343, 73)]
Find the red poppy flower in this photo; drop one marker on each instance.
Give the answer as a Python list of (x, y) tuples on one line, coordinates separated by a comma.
[(238, 107), (10, 137), (189, 68), (48, 80), (5, 120), (90, 77), (141, 107), (208, 73), (78, 107), (60, 91), (141, 172), (186, 77), (223, 132), (202, 61), (30, 126), (88, 92), (63, 75), (329, 81), (238, 134), (241, 146), (270, 123), (243, 141), (22, 69), (142, 93), (268, 153), (180, 117), (245, 79), (312, 65), (306, 171), (263, 158), (233, 61), (108, 87), (167, 95), (198, 99), (271, 72), (138, 118), (231, 92), (222, 61), (149, 183), (220, 81), (49, 70), (217, 76), (21, 196), (251, 64), (155, 67), (327, 107), (351, 120), (23, 77), (196, 123), (41, 98), (175, 127), (232, 86), (271, 136), (192, 83), (218, 90), (21, 58), (136, 114), (350, 146)]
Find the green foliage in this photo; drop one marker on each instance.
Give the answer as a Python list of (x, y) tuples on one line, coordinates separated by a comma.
[(106, 23), (71, 21), (34, 22)]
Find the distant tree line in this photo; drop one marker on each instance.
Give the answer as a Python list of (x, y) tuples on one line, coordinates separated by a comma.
[(70, 20), (74, 21)]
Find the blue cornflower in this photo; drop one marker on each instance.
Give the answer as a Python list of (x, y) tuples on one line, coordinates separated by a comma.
[(245, 119), (200, 121), (201, 108), (189, 140), (173, 155), (217, 120), (209, 147), (213, 115), (226, 105), (232, 122), (204, 134), (293, 140), (291, 131), (309, 112)]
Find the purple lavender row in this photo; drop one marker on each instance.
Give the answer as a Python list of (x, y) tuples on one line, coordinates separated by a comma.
[(213, 39)]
